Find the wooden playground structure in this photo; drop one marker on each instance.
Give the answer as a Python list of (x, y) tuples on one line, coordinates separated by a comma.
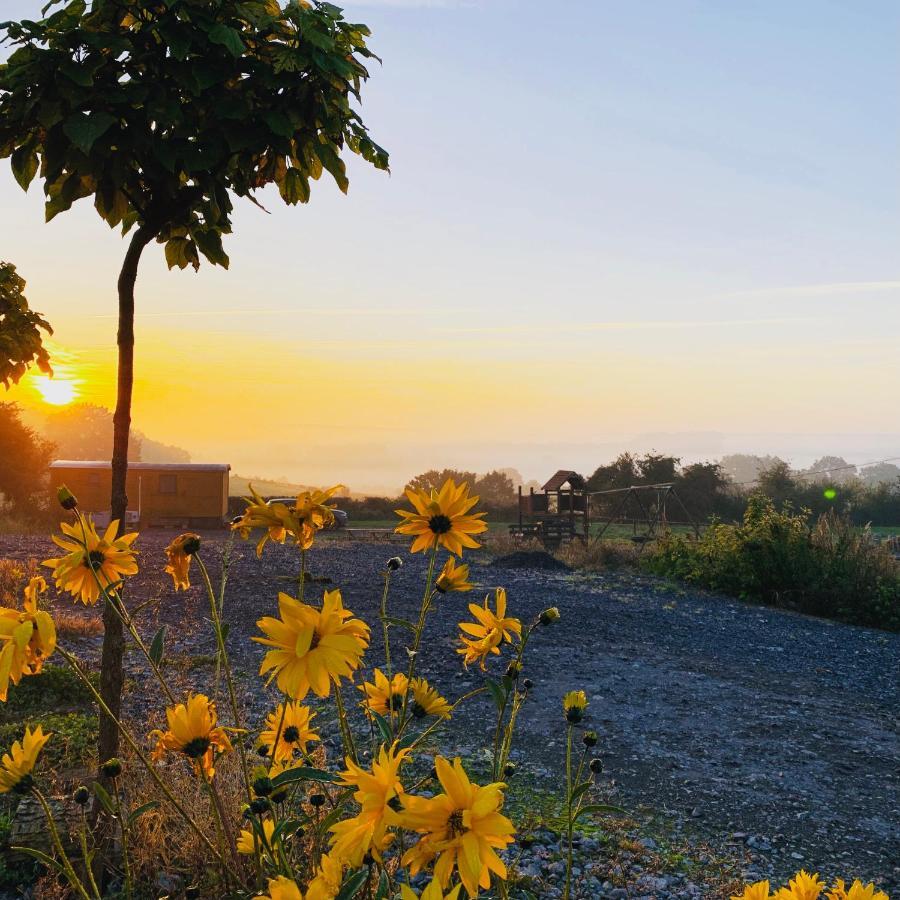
[(565, 510)]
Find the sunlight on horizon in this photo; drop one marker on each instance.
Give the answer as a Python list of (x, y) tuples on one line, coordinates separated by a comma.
[(57, 391)]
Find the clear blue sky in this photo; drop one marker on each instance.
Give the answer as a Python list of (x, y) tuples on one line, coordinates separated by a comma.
[(610, 218)]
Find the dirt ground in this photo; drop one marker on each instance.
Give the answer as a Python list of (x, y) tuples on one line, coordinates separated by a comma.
[(772, 736)]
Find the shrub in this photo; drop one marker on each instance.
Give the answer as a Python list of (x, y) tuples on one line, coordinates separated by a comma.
[(782, 558)]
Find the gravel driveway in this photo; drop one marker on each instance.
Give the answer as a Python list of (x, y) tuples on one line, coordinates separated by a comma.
[(770, 735)]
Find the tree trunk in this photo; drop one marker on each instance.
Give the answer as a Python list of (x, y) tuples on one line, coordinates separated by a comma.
[(111, 676)]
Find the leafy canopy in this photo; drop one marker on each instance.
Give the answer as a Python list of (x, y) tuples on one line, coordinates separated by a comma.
[(21, 342), (163, 110)]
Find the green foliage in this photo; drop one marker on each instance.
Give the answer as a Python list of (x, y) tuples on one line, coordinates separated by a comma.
[(781, 557), (21, 341), (161, 112), (24, 458), (74, 738), (55, 688)]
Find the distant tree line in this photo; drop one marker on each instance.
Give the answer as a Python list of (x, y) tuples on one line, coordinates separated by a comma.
[(79, 431)]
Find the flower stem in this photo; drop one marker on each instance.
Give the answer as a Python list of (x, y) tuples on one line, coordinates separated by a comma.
[(226, 665), (417, 639), (73, 878), (130, 740), (569, 824)]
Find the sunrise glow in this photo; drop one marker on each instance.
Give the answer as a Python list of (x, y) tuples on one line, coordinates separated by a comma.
[(56, 391)]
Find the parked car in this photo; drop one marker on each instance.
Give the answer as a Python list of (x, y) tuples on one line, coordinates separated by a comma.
[(340, 516)]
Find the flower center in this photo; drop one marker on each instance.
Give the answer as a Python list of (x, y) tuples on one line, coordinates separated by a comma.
[(291, 734), (440, 524), (455, 825), (96, 558), (395, 702), (196, 747), (419, 711)]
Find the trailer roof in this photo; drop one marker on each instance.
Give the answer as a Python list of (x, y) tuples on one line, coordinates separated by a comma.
[(141, 466)]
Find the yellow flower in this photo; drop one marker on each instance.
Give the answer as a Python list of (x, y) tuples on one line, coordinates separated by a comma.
[(491, 629), (802, 886), (453, 578), (193, 732), (308, 515), (427, 701), (858, 891), (383, 696), (757, 891), (379, 793), (179, 554), (441, 518), (91, 560), (432, 892), (27, 638), (295, 735), (313, 647), (574, 705), (461, 827), (327, 883), (282, 888), (18, 764), (249, 839)]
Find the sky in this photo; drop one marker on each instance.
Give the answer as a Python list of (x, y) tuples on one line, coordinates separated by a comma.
[(607, 226)]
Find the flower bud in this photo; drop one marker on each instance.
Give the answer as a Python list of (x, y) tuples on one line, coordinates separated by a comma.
[(589, 739), (317, 800), (574, 705), (394, 563), (280, 796), (259, 806), (191, 545), (513, 670), (191, 892), (81, 796), (67, 500), (263, 750), (527, 683), (549, 616), (509, 770), (262, 786), (112, 768), (596, 766)]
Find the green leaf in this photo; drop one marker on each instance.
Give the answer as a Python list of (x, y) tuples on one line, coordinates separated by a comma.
[(383, 727), (294, 188), (84, 130), (383, 887), (303, 773), (24, 165), (279, 123), (81, 75), (228, 38), (209, 241), (580, 789), (157, 645), (400, 623), (333, 164), (350, 888), (104, 798), (287, 827), (599, 808), (42, 857), (143, 808), (497, 693)]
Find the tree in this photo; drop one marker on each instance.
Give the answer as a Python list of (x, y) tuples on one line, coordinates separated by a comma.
[(621, 473), (21, 341), (496, 490), (85, 431), (433, 479), (833, 469), (880, 473), (745, 467), (24, 458), (656, 468), (161, 112)]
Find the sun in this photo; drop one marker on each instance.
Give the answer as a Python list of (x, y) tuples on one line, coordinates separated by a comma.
[(56, 391)]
